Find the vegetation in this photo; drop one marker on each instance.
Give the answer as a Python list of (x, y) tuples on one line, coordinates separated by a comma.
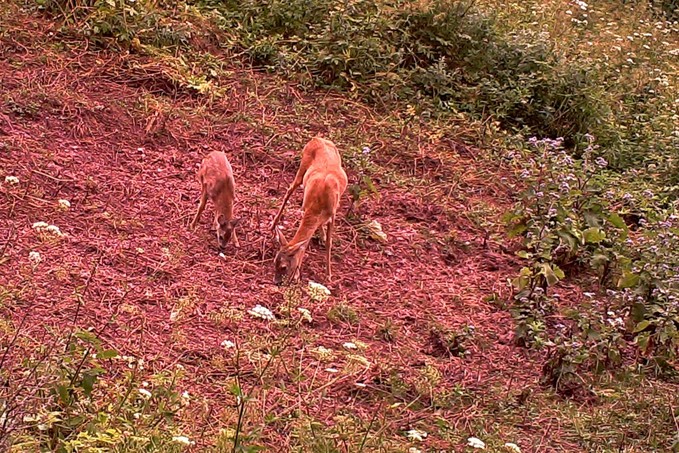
[(576, 102)]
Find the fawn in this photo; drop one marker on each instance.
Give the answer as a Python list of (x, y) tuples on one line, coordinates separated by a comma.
[(216, 181), (324, 182)]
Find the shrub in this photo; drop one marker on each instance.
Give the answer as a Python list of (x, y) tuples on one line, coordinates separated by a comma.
[(445, 53), (570, 221)]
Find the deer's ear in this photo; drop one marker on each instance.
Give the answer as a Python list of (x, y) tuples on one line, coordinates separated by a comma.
[(221, 219), (299, 246), (235, 221), (281, 237)]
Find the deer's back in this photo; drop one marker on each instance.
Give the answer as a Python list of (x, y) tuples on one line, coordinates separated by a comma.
[(216, 174), (325, 160)]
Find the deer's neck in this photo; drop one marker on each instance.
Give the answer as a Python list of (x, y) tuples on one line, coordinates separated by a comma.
[(224, 203), (307, 228)]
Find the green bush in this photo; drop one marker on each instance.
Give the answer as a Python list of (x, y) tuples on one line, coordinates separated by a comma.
[(120, 22), (444, 53), (571, 223)]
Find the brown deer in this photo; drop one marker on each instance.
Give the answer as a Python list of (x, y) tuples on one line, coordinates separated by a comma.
[(216, 182), (324, 182)]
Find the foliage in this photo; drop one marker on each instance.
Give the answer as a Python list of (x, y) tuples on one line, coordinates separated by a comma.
[(128, 23), (447, 54), (568, 221), (80, 400)]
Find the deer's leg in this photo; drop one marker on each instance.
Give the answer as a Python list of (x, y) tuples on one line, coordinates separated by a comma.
[(235, 238), (323, 234), (201, 207), (291, 189), (328, 245), (299, 179)]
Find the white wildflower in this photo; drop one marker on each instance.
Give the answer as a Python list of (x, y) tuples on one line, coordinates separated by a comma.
[(64, 205), (40, 226), (11, 180), (332, 370), (53, 229), (261, 312), (475, 442), (182, 440), (350, 345), (306, 314), (44, 227), (186, 398), (414, 450), (136, 415), (174, 315), (317, 291), (512, 447), (222, 256), (226, 344), (416, 434), (35, 258), (145, 393)]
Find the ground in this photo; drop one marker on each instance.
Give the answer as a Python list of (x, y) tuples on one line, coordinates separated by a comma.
[(117, 137)]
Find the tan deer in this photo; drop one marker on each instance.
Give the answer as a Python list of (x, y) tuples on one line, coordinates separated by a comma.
[(216, 182), (324, 182)]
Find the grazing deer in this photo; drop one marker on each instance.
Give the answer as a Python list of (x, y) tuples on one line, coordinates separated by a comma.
[(216, 181), (324, 182)]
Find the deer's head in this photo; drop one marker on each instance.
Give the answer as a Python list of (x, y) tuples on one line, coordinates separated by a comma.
[(288, 260), (224, 229)]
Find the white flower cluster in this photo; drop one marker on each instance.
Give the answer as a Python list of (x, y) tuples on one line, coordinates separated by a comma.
[(261, 312), (35, 258), (318, 292), (44, 227), (12, 180), (183, 440), (416, 434), (306, 314)]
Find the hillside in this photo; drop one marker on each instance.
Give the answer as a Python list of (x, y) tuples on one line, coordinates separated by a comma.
[(417, 333)]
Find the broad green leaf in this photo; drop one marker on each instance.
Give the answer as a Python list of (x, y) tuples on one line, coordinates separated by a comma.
[(642, 341), (641, 326), (65, 397), (517, 230), (628, 280), (108, 354), (549, 274), (617, 221), (88, 383), (88, 337), (593, 235), (569, 238)]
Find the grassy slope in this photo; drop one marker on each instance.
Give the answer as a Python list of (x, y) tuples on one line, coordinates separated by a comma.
[(113, 134)]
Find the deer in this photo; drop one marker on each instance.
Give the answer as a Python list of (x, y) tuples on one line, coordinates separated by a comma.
[(215, 176), (324, 181)]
